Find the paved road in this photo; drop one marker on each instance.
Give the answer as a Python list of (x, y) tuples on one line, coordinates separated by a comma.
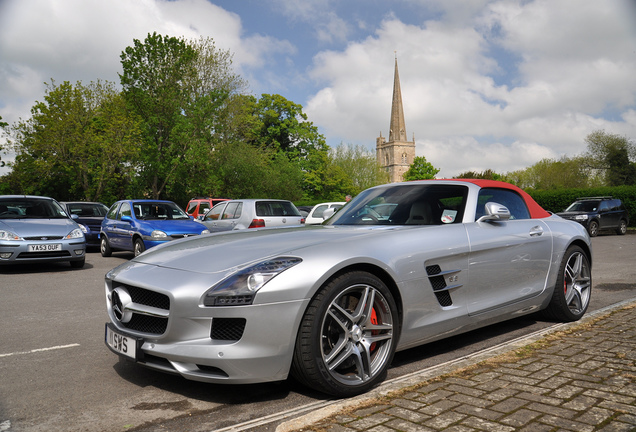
[(57, 375)]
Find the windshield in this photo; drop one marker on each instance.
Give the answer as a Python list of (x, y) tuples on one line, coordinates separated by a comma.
[(405, 204), (87, 209), (158, 211), (583, 206), (31, 208)]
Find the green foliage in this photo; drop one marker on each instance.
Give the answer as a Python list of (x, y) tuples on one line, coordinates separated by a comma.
[(484, 175), (553, 174), (420, 169), (610, 154), (73, 144)]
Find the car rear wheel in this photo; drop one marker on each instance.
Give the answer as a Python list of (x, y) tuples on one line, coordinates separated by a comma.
[(593, 229), (104, 247), (139, 246), (347, 337), (573, 288), (622, 227)]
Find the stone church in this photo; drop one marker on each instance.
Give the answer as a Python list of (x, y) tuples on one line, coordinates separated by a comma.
[(397, 154)]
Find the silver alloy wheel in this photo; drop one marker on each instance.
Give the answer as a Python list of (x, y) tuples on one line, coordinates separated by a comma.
[(356, 335), (577, 283)]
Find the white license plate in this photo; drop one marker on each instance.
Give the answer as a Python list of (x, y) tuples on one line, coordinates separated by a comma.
[(45, 247), (121, 344)]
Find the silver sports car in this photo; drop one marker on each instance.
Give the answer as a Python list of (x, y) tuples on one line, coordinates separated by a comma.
[(330, 304)]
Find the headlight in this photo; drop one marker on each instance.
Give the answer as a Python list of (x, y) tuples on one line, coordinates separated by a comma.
[(239, 288), (76, 233), (8, 235), (83, 228), (158, 235), (205, 231), (581, 217)]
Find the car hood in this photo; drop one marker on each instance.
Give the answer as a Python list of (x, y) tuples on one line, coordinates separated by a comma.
[(170, 227), (214, 253), (38, 227)]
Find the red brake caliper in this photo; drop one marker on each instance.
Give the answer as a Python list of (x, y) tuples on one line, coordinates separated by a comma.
[(374, 321)]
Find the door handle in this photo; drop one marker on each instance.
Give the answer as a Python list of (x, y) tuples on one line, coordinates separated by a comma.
[(536, 231)]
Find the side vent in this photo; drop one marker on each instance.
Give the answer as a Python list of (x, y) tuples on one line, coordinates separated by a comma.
[(437, 278)]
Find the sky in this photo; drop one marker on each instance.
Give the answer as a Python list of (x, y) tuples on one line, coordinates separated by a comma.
[(486, 84)]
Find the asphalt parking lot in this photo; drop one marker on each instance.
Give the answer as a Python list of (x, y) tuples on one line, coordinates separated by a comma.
[(57, 375)]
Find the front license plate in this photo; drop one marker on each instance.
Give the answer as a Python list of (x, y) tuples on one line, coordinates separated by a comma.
[(45, 247), (120, 343)]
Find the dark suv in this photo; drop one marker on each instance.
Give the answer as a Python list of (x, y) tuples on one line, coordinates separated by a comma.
[(598, 213)]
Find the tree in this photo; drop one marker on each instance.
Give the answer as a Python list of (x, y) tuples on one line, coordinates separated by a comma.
[(550, 174), (73, 145), (485, 175), (420, 169), (179, 89), (360, 165), (611, 154)]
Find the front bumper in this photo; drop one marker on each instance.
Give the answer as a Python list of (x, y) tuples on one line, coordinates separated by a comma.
[(233, 345), (18, 252)]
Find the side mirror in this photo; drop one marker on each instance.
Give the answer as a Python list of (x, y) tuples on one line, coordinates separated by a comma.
[(495, 213), (126, 219), (74, 216)]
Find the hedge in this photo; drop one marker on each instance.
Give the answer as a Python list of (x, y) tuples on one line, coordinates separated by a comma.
[(559, 199)]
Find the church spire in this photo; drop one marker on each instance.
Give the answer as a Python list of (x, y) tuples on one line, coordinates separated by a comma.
[(397, 131)]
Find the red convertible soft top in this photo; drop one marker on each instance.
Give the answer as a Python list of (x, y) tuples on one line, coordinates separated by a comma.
[(536, 211)]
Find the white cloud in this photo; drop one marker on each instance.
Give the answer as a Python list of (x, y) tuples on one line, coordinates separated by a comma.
[(572, 63)]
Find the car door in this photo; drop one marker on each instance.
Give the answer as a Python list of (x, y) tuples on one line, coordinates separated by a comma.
[(212, 217), (509, 260), (229, 217), (109, 224)]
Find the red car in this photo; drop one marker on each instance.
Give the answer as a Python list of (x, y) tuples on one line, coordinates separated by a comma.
[(198, 206)]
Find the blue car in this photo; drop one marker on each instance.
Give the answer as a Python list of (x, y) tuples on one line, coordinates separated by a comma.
[(137, 225)]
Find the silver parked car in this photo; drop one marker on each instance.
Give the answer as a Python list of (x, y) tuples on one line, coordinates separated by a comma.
[(331, 304), (251, 213), (36, 229)]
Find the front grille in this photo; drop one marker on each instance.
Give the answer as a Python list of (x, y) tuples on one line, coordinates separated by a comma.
[(44, 238), (148, 297), (146, 323), (52, 254), (227, 329), (180, 236)]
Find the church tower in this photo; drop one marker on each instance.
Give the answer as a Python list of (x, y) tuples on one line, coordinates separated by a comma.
[(397, 154)]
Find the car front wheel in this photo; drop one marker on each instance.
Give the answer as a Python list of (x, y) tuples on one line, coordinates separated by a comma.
[(573, 288), (139, 246), (622, 227), (593, 229), (104, 247), (347, 337)]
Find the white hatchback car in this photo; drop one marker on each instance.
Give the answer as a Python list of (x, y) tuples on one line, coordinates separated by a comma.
[(315, 216), (252, 213)]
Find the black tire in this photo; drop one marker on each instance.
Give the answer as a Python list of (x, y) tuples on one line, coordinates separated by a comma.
[(593, 229), (345, 346), (78, 263), (104, 247), (573, 287), (622, 227), (139, 247)]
